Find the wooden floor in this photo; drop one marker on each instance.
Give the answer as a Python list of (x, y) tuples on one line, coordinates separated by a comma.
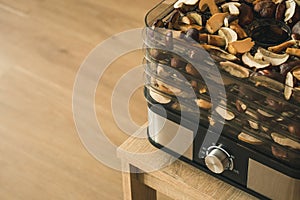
[(42, 45)]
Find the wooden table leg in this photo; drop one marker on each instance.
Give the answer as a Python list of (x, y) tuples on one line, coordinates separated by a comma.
[(133, 189)]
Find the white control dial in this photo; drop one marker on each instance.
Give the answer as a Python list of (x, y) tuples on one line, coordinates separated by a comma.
[(218, 160)]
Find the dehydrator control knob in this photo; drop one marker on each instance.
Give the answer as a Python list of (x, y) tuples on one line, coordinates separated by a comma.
[(218, 160)]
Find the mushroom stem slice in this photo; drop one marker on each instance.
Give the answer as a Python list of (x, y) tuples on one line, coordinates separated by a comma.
[(282, 46), (293, 51)]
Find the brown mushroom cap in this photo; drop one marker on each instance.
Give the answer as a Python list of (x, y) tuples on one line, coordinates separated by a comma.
[(215, 22), (240, 46)]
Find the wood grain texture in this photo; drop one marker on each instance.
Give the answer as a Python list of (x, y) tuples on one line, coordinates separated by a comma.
[(175, 178), (43, 43)]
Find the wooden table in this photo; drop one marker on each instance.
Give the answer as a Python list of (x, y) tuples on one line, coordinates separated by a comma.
[(175, 178)]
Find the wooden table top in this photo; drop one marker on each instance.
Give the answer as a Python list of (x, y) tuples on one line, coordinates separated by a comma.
[(184, 178), (42, 45)]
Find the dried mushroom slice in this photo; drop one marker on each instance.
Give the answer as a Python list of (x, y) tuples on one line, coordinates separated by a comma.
[(241, 106), (235, 69), (215, 40), (165, 88), (282, 46), (250, 61), (264, 113), (239, 30), (284, 141), (217, 51), (215, 22), (159, 98), (293, 51), (290, 9), (226, 114), (267, 82), (289, 84), (228, 34), (203, 104), (196, 17), (181, 3), (231, 7), (274, 58), (296, 73), (249, 139), (240, 46), (210, 4)]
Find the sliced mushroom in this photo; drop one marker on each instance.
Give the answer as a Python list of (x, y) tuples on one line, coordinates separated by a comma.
[(168, 89), (186, 27), (230, 19), (273, 58), (261, 80), (253, 120), (227, 115), (203, 104), (250, 61), (277, 1), (231, 7), (241, 107), (249, 139), (296, 73), (215, 22), (235, 69), (264, 113), (217, 51), (293, 51), (211, 4), (187, 20), (290, 9), (190, 69), (196, 17), (282, 46), (228, 34), (216, 40), (240, 46), (180, 3), (289, 84), (253, 124), (159, 98), (284, 141), (239, 30)]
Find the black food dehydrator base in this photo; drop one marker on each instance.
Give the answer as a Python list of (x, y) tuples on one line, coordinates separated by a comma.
[(200, 167)]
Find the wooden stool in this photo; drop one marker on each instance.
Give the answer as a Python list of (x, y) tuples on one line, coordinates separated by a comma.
[(175, 179)]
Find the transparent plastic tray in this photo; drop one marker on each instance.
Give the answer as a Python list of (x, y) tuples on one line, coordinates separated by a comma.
[(255, 105)]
